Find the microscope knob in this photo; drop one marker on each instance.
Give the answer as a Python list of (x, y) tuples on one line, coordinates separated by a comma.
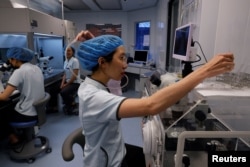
[(200, 115), (186, 160), (156, 78)]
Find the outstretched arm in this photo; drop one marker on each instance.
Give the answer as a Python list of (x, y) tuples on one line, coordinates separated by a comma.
[(168, 96)]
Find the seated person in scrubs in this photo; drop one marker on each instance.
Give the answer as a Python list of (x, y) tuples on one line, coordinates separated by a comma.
[(28, 80), (100, 111), (71, 80)]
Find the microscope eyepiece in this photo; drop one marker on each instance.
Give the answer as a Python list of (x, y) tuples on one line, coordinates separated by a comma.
[(5, 66)]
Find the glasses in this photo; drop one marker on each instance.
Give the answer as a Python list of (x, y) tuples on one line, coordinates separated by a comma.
[(124, 59)]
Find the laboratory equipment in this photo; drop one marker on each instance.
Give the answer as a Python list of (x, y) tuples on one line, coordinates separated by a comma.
[(161, 81), (184, 47), (5, 71), (5, 66), (152, 126), (43, 63), (153, 137), (135, 64), (215, 118), (141, 56)]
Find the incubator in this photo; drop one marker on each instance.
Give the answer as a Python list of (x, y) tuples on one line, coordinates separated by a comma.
[(213, 117)]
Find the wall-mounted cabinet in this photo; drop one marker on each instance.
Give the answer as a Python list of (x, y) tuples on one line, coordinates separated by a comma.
[(46, 24), (70, 31), (26, 20), (23, 27)]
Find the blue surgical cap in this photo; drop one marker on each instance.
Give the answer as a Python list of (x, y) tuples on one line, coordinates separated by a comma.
[(22, 54), (90, 50)]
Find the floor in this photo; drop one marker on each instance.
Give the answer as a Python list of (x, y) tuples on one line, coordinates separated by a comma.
[(57, 127)]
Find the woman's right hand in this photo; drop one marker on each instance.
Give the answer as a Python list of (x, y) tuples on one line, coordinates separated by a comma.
[(219, 64)]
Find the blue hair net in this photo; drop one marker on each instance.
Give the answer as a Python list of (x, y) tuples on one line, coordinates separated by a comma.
[(89, 51), (22, 54)]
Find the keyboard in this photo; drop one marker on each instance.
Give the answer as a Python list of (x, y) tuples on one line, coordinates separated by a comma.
[(135, 64)]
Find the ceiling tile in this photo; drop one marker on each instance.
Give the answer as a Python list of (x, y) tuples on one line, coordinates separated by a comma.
[(75, 5), (108, 4)]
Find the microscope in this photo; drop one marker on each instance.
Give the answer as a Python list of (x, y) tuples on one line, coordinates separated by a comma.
[(162, 80), (43, 63), (5, 68)]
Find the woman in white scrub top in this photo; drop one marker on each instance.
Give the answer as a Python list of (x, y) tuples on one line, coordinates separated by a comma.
[(100, 111), (70, 81), (28, 79)]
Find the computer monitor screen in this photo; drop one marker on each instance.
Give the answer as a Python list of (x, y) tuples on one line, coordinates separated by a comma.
[(182, 42), (141, 56)]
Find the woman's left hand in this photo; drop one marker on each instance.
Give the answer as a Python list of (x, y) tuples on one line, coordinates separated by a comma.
[(84, 35)]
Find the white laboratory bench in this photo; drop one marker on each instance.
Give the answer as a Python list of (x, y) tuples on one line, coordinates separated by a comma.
[(216, 119)]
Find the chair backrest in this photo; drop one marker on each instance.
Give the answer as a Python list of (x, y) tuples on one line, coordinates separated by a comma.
[(75, 137), (40, 107)]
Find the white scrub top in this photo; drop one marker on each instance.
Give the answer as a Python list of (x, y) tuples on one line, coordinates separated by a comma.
[(69, 66), (98, 113), (28, 79)]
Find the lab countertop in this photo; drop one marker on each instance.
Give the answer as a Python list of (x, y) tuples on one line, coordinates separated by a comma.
[(49, 79), (53, 77), (221, 90)]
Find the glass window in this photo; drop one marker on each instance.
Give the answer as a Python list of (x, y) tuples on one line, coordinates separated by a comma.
[(142, 35)]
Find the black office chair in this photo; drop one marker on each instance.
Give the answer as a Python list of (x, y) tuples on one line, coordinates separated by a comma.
[(75, 137), (33, 145)]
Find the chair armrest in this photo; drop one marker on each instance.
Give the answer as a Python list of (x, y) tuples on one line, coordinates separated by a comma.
[(75, 137)]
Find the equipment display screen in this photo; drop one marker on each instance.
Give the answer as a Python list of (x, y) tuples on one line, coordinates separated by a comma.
[(182, 42), (141, 56)]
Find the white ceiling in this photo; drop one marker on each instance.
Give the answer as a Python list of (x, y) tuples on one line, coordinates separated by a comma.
[(54, 7)]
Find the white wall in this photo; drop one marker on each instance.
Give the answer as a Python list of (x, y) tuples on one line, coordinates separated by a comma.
[(233, 32), (224, 27), (208, 26)]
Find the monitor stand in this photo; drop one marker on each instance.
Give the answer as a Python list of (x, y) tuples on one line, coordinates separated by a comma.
[(187, 68)]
